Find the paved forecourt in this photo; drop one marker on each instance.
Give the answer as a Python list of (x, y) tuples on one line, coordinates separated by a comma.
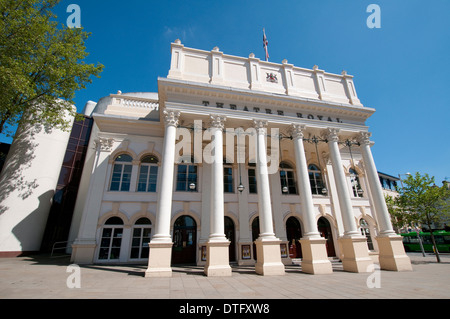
[(40, 277)]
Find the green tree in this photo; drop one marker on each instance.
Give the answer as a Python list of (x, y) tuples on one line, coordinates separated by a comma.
[(399, 218), (428, 203), (41, 65)]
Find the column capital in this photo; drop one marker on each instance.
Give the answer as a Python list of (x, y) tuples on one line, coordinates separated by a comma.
[(171, 117), (217, 121), (104, 144), (298, 130), (260, 126), (364, 138), (331, 134)]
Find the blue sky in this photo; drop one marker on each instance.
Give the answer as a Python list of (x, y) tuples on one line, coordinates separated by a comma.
[(401, 69)]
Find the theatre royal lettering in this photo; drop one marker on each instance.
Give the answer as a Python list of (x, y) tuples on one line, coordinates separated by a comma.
[(256, 109)]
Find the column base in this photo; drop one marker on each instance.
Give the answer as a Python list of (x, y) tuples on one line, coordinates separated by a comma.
[(269, 257), (217, 259), (159, 260), (315, 258), (83, 252), (392, 254), (356, 254)]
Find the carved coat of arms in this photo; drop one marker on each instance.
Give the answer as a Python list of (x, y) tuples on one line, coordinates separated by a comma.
[(271, 78)]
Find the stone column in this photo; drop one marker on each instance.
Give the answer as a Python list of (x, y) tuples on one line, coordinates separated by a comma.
[(354, 245), (392, 253), (161, 244), (217, 256), (315, 258), (267, 245)]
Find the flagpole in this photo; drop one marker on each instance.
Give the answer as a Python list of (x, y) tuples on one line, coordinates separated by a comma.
[(265, 44)]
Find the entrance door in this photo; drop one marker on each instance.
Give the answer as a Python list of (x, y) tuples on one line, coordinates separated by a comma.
[(255, 234), (184, 241), (294, 233), (229, 233), (325, 231)]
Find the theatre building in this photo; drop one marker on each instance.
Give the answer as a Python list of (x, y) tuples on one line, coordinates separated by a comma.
[(234, 160)]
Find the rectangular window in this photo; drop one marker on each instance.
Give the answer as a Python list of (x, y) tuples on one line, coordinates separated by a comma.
[(228, 180), (192, 177), (356, 186), (252, 188), (139, 244), (126, 178), (110, 243), (147, 178), (186, 175), (288, 185), (116, 176), (181, 177), (121, 177), (315, 180), (143, 176), (153, 176)]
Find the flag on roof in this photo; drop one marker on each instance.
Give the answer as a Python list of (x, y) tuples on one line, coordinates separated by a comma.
[(265, 44)]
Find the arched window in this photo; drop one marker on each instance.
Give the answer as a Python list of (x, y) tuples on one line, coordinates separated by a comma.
[(315, 179), (365, 231), (148, 174), (287, 178), (111, 239), (356, 185), (142, 230), (227, 177), (121, 175), (187, 178)]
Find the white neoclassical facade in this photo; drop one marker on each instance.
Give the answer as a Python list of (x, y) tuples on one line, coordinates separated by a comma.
[(234, 160)]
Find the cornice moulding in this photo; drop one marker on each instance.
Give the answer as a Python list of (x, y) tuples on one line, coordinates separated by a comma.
[(174, 86)]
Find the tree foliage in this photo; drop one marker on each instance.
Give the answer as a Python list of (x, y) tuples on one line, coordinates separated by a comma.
[(399, 218), (41, 64), (421, 201), (429, 203)]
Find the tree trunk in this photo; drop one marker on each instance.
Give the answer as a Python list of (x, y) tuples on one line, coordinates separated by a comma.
[(436, 252)]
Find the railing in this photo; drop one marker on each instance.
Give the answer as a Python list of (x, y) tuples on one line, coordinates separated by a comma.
[(134, 102), (140, 107), (60, 248)]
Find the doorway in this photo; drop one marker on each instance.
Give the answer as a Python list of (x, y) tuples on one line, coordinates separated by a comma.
[(229, 233), (184, 241), (255, 235), (325, 231), (294, 234)]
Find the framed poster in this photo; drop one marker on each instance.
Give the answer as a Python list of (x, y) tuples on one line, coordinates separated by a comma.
[(246, 253), (203, 253), (284, 251)]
